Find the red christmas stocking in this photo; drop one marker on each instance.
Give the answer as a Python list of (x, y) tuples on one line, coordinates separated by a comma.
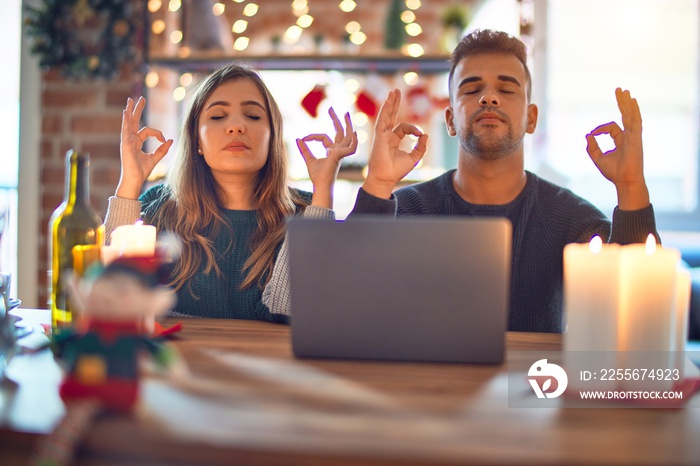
[(371, 95), (366, 104), (313, 99), (419, 103)]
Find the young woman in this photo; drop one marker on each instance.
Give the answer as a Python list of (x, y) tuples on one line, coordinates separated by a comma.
[(226, 195)]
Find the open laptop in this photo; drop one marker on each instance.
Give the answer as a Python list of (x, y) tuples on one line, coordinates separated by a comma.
[(405, 289)]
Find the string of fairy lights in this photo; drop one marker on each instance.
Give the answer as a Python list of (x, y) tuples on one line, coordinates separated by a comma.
[(291, 37), (300, 10)]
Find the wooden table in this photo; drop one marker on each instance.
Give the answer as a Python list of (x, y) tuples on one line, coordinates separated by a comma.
[(248, 400)]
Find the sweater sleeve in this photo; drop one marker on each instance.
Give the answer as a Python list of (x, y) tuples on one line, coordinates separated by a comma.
[(120, 211), (365, 203), (276, 294), (633, 226)]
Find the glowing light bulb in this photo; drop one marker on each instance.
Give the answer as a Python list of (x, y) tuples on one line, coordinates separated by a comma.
[(154, 5), (179, 94), (352, 27), (218, 9), (176, 37), (410, 78), (292, 34), (352, 85), (413, 29), (408, 16), (186, 79), (158, 26), (239, 26), (415, 50), (358, 38), (152, 79), (347, 5), (413, 4), (250, 9), (241, 43), (305, 21)]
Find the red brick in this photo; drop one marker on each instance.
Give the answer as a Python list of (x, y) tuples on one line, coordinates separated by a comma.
[(53, 187), (41, 275), (43, 249), (103, 151), (51, 200), (43, 291), (105, 177), (69, 98), (117, 97), (96, 124), (52, 124), (46, 148), (52, 175), (128, 69)]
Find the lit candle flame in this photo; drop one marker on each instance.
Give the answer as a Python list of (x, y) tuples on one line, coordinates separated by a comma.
[(650, 246), (596, 244)]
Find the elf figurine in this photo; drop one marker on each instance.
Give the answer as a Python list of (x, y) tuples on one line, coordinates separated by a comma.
[(101, 352)]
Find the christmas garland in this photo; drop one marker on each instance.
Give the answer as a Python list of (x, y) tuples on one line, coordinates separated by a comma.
[(85, 38)]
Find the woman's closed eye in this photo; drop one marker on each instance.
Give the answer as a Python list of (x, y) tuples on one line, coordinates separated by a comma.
[(217, 114)]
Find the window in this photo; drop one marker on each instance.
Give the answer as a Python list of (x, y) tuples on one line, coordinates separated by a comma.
[(9, 134), (650, 47)]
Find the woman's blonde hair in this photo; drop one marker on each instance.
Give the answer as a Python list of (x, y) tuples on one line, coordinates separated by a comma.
[(193, 201)]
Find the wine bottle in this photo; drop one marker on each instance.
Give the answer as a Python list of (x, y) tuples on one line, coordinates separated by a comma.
[(73, 223)]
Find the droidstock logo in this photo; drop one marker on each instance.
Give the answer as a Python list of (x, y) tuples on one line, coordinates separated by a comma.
[(547, 380)]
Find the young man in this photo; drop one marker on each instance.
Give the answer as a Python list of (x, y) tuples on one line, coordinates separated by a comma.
[(490, 112)]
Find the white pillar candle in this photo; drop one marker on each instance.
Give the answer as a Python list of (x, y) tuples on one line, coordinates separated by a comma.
[(591, 295), (108, 254), (591, 301), (647, 304), (134, 240), (647, 310)]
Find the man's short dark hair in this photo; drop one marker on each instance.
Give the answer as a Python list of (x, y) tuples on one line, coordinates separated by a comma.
[(483, 41)]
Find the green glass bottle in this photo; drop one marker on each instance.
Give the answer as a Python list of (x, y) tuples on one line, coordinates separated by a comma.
[(73, 223)]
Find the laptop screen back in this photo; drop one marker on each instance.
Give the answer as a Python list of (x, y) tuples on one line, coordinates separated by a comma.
[(411, 289)]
